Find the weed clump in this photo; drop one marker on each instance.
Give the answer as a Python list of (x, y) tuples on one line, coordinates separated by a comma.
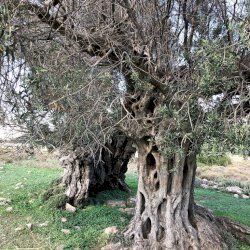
[(55, 196), (57, 201), (214, 159)]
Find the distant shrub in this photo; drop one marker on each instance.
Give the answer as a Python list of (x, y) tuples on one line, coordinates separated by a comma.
[(212, 158)]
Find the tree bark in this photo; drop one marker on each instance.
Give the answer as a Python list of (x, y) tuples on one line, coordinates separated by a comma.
[(87, 175), (165, 215)]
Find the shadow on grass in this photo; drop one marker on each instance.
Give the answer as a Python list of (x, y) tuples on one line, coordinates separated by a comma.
[(104, 196)]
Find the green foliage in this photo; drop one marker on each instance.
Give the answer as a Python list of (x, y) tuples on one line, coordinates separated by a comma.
[(212, 155), (240, 29), (103, 196), (7, 41), (217, 62), (239, 134), (57, 201), (141, 81), (219, 73), (55, 195), (223, 121), (216, 159), (219, 137)]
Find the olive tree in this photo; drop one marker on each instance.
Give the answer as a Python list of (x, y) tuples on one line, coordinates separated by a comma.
[(173, 58), (70, 106)]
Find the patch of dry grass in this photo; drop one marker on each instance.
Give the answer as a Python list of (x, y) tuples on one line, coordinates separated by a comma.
[(238, 170), (23, 155)]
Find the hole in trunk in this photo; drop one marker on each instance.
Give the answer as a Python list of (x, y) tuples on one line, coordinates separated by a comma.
[(142, 203), (137, 107), (146, 228), (132, 236), (150, 161), (169, 185), (150, 106), (162, 210), (170, 175), (160, 233), (185, 173), (157, 185), (146, 139), (148, 121), (155, 175)]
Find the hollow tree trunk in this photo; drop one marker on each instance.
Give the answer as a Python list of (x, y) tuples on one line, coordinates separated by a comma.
[(86, 175), (165, 214)]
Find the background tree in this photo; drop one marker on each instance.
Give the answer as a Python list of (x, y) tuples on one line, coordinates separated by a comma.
[(67, 105), (174, 57)]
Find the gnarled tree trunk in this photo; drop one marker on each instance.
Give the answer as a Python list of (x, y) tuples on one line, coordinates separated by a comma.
[(166, 216), (87, 175), (165, 212)]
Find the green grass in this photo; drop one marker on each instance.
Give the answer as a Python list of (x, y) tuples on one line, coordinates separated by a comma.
[(210, 159), (91, 220), (118, 195), (28, 208)]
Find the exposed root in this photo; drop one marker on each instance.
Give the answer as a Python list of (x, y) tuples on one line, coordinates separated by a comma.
[(215, 233), (239, 231)]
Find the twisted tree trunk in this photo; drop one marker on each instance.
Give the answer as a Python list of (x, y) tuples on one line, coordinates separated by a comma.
[(165, 212), (166, 216), (87, 175)]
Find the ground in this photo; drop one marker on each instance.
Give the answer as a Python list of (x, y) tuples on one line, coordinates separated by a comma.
[(24, 181)]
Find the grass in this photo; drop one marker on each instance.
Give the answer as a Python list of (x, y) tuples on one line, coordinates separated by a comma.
[(86, 225), (210, 159)]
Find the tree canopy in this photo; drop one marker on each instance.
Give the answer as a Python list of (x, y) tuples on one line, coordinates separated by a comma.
[(187, 51)]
